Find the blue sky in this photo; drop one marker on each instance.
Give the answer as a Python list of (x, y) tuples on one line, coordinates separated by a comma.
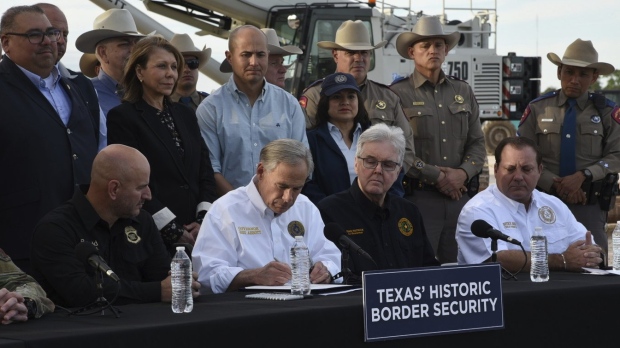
[(526, 27)]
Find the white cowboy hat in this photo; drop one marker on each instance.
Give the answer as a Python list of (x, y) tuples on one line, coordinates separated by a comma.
[(185, 45), (273, 45), (582, 54), (88, 64), (351, 36), (112, 23), (425, 28)]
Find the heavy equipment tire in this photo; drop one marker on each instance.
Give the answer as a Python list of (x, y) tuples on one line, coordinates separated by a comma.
[(495, 132)]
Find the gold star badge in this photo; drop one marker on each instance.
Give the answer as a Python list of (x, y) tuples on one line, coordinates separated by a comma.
[(380, 105), (458, 98)]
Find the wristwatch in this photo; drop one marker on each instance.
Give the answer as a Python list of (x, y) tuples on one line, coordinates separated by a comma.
[(587, 173)]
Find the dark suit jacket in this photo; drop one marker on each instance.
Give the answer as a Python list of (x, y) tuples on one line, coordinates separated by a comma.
[(41, 159), (88, 93), (179, 184)]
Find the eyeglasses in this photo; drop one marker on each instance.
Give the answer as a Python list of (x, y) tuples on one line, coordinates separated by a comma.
[(37, 37), (192, 63), (372, 163)]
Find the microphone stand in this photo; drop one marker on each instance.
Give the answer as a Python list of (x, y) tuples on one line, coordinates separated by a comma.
[(494, 249), (100, 302), (344, 266)]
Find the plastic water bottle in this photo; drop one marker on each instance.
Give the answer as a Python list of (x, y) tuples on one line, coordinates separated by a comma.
[(181, 271), (615, 237), (539, 270), (300, 266)]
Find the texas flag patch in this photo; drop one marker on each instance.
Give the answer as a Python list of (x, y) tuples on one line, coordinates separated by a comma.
[(303, 101)]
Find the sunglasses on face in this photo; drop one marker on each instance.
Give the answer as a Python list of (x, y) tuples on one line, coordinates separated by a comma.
[(192, 63)]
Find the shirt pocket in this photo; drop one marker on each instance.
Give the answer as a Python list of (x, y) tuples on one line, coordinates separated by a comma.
[(591, 138), (459, 124), (421, 121), (549, 138)]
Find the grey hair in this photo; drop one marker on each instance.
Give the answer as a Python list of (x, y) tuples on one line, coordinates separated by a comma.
[(7, 23), (382, 132), (288, 151)]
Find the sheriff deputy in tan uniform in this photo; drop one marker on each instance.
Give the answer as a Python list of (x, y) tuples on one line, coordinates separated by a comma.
[(351, 52), (591, 150), (449, 143), (186, 92)]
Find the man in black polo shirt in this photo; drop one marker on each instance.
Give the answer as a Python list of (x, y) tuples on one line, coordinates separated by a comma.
[(387, 227), (108, 214)]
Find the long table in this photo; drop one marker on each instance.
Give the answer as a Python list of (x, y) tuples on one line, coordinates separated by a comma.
[(570, 310)]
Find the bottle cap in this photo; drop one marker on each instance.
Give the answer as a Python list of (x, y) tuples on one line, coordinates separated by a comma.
[(181, 248)]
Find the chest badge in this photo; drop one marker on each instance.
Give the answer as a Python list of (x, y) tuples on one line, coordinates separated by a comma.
[(132, 235), (418, 103), (595, 119), (380, 105), (459, 99), (296, 228), (405, 227), (546, 215)]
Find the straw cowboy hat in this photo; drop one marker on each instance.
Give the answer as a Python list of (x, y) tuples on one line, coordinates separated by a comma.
[(185, 45), (112, 23), (581, 54), (426, 27), (351, 36), (273, 45), (88, 64)]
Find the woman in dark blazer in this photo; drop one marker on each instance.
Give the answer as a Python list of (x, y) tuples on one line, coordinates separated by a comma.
[(167, 133), (341, 115)]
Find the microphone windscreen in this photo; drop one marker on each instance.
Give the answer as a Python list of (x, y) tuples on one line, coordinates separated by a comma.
[(333, 232), (84, 250), (480, 227)]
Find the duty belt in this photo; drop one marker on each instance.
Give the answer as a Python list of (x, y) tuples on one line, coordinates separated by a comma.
[(412, 184)]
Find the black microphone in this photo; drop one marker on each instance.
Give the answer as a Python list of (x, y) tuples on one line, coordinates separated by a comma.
[(88, 253), (482, 229), (337, 235)]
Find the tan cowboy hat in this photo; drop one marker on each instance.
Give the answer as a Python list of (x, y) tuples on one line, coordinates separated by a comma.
[(581, 54), (88, 64), (351, 36), (426, 27), (185, 45), (273, 45), (112, 23)]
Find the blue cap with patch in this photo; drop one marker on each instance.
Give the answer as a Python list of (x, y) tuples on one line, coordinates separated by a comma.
[(335, 83)]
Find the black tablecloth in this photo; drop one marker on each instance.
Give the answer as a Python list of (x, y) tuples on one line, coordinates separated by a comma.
[(569, 310)]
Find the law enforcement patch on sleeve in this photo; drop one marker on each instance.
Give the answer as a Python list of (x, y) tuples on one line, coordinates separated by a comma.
[(296, 228), (615, 113), (546, 215), (303, 101), (405, 227), (132, 235), (526, 113), (419, 164)]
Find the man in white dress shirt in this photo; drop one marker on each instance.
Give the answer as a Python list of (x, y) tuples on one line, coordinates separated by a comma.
[(247, 234)]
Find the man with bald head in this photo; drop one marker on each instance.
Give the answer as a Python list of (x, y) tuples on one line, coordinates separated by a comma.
[(84, 86), (246, 113), (108, 214), (47, 136)]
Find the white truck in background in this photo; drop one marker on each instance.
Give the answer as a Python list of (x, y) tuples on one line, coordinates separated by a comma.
[(503, 85)]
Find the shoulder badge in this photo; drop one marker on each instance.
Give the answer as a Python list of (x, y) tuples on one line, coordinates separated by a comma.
[(132, 235), (405, 227), (296, 228), (615, 114), (546, 215), (303, 101), (526, 113)]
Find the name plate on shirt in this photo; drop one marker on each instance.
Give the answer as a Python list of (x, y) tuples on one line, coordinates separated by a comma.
[(428, 301)]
